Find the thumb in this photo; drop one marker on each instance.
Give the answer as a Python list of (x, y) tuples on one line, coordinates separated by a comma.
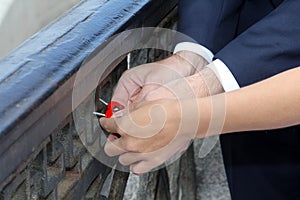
[(183, 88), (109, 124), (129, 86), (124, 92), (148, 88), (163, 92)]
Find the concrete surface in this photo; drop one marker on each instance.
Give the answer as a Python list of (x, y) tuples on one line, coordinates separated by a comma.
[(211, 178), (20, 19)]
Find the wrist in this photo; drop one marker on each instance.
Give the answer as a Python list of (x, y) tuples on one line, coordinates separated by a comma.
[(211, 82), (204, 118), (184, 63), (195, 61)]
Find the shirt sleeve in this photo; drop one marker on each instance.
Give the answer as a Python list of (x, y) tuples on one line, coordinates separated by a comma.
[(196, 48), (224, 75)]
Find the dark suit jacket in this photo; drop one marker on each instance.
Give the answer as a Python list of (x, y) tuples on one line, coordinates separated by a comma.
[(256, 39)]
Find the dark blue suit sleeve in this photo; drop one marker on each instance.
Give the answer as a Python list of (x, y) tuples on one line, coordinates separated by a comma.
[(212, 23), (269, 47)]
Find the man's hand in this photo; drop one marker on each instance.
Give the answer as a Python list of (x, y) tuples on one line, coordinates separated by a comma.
[(201, 84), (139, 81)]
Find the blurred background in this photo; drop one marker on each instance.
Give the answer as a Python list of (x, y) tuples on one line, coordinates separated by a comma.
[(20, 19)]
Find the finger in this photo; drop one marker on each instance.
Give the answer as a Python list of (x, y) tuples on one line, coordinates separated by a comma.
[(113, 136), (184, 147), (109, 124), (119, 113), (114, 147), (130, 158), (143, 167), (127, 87), (144, 92)]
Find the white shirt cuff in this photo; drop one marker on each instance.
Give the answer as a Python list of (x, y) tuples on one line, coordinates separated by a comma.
[(196, 48), (224, 75)]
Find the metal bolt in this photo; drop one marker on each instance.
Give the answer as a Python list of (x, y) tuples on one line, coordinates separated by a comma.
[(99, 114), (102, 101)]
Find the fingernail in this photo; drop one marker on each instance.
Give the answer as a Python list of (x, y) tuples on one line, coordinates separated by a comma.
[(102, 123), (101, 120), (118, 114)]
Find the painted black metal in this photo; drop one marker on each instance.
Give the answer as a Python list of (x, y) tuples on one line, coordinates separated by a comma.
[(36, 79)]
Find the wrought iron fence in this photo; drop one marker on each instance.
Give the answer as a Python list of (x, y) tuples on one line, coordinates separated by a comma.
[(41, 154)]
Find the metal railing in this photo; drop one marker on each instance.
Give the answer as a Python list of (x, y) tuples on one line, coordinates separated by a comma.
[(41, 154)]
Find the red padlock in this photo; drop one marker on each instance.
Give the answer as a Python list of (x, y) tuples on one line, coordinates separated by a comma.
[(113, 107)]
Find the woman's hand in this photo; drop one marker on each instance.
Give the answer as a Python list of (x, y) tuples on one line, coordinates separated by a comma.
[(151, 133)]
